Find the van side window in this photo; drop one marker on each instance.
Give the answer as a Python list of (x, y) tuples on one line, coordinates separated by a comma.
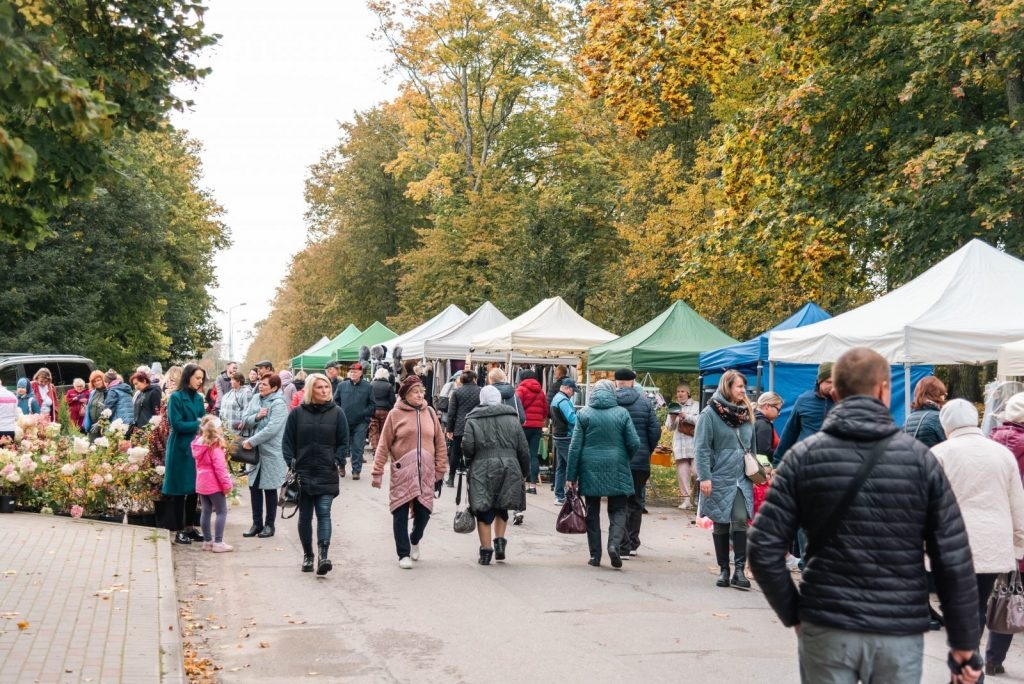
[(68, 371), (9, 376)]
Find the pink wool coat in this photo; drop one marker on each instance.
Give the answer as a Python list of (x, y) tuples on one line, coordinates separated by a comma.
[(211, 468), (412, 439)]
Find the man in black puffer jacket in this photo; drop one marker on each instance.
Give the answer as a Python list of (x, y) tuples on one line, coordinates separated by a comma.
[(864, 590), (648, 429)]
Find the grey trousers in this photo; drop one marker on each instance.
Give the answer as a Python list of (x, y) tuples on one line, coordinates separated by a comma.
[(836, 656)]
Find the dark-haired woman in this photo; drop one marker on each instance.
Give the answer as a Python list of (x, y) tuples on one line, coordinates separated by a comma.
[(185, 408), (146, 402), (464, 399), (265, 416), (725, 430)]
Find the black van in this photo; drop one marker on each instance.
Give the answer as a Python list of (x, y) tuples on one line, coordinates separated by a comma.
[(63, 367)]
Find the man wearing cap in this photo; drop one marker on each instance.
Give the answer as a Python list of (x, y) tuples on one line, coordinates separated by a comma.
[(333, 374), (809, 413), (264, 368), (874, 502), (563, 422), (355, 398), (648, 429)]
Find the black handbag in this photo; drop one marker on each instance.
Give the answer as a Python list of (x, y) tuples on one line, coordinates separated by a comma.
[(465, 521), (240, 454), (288, 496)]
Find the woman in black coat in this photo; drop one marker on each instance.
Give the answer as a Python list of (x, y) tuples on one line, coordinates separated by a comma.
[(498, 457), (146, 402), (465, 398), (314, 446)]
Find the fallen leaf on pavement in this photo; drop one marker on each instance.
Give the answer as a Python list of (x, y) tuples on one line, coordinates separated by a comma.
[(264, 644), (23, 625)]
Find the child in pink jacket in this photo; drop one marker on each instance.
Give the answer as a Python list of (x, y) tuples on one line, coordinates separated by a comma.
[(213, 483)]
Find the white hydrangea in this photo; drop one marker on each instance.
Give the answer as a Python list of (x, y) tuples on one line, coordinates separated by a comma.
[(156, 420), (118, 425), (159, 470), (80, 445), (106, 413), (14, 477), (137, 454), (67, 469), (102, 442), (53, 430)]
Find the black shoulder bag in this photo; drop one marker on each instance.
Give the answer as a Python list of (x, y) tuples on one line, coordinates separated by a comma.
[(824, 534)]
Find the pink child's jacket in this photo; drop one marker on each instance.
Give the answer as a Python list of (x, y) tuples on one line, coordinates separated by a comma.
[(211, 469)]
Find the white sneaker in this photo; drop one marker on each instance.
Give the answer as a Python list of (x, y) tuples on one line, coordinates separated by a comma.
[(415, 552), (685, 505), (221, 547), (792, 563), (405, 563)]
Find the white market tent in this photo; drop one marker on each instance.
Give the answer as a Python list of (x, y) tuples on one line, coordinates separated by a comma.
[(319, 343), (442, 321), (1011, 359), (957, 312), (551, 328)]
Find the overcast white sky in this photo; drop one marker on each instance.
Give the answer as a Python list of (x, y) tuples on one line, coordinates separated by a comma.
[(284, 76)]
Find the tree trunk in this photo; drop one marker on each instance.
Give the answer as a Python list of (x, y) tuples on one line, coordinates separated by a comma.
[(965, 383), (1015, 97)]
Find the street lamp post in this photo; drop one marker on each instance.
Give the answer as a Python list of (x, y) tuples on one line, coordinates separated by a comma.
[(231, 332)]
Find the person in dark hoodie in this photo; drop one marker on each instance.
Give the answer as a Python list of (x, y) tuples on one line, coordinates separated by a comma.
[(382, 389), (648, 429), (119, 398), (809, 413)]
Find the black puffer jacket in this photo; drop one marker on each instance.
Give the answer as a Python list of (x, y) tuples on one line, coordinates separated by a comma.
[(871, 577), (314, 446), (463, 400), (645, 420), (383, 393)]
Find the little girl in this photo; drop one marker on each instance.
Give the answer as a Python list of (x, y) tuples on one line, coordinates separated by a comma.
[(213, 483)]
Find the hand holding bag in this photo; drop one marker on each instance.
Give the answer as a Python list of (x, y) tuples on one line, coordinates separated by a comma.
[(1005, 611), (464, 522), (572, 519), (288, 495), (240, 454)]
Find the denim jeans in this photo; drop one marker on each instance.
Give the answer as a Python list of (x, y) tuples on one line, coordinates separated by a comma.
[(307, 505), (533, 440), (400, 520), (561, 464)]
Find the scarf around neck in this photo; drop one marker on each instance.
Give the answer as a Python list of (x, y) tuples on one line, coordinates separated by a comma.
[(732, 414)]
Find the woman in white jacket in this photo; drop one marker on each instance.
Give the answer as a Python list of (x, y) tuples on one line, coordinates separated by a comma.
[(987, 484)]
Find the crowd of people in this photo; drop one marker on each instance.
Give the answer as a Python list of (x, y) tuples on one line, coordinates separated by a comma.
[(836, 534)]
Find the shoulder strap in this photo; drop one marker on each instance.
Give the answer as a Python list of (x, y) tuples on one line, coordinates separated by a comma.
[(827, 530), (458, 491)]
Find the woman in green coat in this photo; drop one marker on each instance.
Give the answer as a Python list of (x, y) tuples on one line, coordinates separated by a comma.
[(185, 408), (602, 442)]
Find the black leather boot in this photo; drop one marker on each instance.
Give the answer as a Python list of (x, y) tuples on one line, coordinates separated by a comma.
[(253, 531), (324, 564), (722, 557), (267, 531), (307, 557), (485, 556), (739, 549), (499, 548)]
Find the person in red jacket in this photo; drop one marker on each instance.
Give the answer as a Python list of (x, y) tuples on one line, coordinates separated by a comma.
[(77, 397), (535, 404)]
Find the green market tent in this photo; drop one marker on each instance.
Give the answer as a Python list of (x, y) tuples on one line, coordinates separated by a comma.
[(375, 334), (317, 358), (670, 343)]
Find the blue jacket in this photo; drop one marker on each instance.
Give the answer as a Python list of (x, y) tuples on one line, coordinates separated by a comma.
[(28, 404), (648, 427), (119, 401), (809, 413), (356, 400)]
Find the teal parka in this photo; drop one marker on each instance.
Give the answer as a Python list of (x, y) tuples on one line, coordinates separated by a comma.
[(185, 408), (602, 442)]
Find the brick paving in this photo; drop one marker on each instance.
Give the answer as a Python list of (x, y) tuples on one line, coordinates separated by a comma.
[(86, 601)]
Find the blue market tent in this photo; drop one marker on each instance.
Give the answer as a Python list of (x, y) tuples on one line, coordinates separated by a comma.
[(790, 380)]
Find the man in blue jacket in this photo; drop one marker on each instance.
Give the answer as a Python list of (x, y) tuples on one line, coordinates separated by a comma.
[(648, 429), (355, 397), (563, 422), (809, 413)]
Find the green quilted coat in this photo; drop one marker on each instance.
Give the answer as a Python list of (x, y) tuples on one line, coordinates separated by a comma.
[(602, 442)]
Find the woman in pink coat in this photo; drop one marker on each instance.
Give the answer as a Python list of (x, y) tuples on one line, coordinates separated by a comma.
[(412, 439), (213, 483)]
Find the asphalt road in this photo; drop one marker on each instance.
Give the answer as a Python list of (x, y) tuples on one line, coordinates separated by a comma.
[(543, 615)]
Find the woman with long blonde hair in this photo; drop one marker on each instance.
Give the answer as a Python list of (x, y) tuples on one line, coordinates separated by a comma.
[(725, 431)]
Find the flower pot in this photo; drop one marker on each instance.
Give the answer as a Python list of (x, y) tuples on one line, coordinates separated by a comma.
[(142, 519), (6, 504)]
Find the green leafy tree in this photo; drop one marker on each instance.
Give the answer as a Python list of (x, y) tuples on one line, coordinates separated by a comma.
[(73, 74)]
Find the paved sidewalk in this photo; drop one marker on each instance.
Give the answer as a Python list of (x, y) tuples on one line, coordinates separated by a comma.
[(84, 601)]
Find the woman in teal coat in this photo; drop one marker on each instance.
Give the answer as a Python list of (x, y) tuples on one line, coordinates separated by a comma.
[(266, 415), (602, 442), (185, 408), (725, 430)]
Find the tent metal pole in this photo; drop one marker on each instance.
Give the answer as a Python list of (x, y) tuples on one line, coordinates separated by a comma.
[(907, 393), (771, 376)]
